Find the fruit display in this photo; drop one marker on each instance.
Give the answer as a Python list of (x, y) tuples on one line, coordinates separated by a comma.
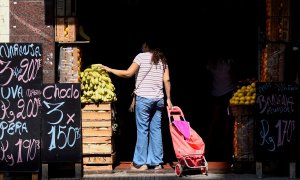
[(244, 95), (242, 109), (278, 20), (65, 29), (243, 134), (96, 85), (69, 64)]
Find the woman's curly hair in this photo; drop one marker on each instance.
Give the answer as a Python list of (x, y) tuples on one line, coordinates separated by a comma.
[(158, 54)]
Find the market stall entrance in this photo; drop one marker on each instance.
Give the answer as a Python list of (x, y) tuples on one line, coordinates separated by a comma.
[(189, 32)]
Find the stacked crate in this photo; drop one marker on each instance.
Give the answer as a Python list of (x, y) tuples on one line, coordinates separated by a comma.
[(65, 21), (65, 29), (243, 132), (278, 34), (97, 138), (69, 64)]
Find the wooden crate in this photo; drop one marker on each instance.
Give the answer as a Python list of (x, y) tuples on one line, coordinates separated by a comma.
[(98, 112), (90, 123), (97, 148), (96, 115), (65, 29), (95, 169), (69, 64), (99, 159), (96, 131), (97, 107), (96, 139)]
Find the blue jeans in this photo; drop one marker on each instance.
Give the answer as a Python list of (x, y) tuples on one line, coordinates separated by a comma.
[(149, 147)]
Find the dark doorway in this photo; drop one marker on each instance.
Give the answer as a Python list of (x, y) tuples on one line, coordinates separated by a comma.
[(189, 32)]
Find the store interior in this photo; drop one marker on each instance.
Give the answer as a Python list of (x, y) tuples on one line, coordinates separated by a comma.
[(189, 33)]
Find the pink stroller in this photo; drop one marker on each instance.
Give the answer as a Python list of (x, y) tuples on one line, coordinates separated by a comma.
[(188, 145)]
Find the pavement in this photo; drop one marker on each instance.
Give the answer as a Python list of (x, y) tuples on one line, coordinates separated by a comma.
[(216, 170)]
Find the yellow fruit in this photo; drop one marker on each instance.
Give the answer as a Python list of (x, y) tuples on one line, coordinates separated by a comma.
[(248, 98), (241, 102)]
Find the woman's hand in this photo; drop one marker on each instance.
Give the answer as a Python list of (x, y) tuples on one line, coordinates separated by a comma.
[(107, 69), (169, 103), (132, 105)]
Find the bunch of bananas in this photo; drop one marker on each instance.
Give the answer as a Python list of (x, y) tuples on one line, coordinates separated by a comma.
[(96, 85)]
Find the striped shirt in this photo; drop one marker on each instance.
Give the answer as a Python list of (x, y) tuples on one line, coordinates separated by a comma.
[(149, 79)]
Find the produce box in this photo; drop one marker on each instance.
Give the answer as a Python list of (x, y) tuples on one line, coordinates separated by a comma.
[(100, 159), (65, 29), (98, 146), (69, 64)]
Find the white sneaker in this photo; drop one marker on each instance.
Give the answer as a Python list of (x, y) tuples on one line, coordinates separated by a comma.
[(158, 167), (138, 168)]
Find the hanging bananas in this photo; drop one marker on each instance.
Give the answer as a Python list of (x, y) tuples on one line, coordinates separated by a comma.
[(96, 85)]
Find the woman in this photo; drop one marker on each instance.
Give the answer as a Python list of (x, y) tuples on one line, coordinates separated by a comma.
[(223, 83), (152, 76)]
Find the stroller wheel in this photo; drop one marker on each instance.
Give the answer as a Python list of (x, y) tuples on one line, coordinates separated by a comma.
[(206, 171), (178, 170), (203, 170), (206, 167)]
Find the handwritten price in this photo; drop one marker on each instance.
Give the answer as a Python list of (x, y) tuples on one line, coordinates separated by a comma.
[(27, 71), (28, 146), (285, 130), (25, 108)]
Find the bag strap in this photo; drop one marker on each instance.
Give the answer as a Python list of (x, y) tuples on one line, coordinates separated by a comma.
[(141, 80)]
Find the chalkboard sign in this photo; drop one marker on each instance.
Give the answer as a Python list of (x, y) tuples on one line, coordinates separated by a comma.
[(275, 122), (61, 124), (20, 106)]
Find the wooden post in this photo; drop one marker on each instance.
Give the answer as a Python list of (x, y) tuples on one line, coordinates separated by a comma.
[(35, 176), (44, 171), (292, 170), (78, 170), (1, 176), (259, 170)]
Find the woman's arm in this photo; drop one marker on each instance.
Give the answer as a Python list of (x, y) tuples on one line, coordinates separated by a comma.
[(132, 70), (167, 86)]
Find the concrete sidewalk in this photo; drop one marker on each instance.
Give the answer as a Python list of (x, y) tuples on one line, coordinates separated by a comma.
[(216, 170), (170, 176)]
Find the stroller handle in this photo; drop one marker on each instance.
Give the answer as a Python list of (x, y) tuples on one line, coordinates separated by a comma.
[(174, 110)]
